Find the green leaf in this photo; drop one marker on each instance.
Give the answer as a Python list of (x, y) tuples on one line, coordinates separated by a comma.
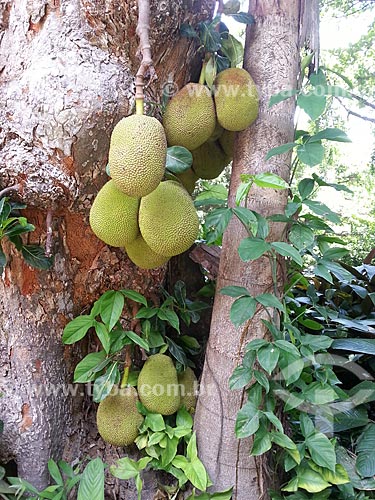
[(196, 473), (111, 306), (247, 218), (210, 71), (169, 452), (92, 481), (339, 476), (240, 377), (306, 187), (135, 296), (283, 440), (103, 335), (337, 187), (76, 329), (322, 210), (178, 160), (312, 103), (262, 443), (287, 250), (247, 421), (252, 248), (366, 441), (103, 385), (279, 150), (243, 17), (233, 49), (311, 154), (235, 291), (322, 451), (291, 368), (307, 425), (187, 31), (330, 134), (170, 316), (136, 339), (184, 419), (268, 357), (366, 346), (269, 300), (271, 417), (192, 451), (281, 96), (319, 394), (335, 253), (301, 236), (262, 380), (318, 78), (217, 222), (365, 463), (154, 421), (55, 472), (35, 256), (126, 468), (84, 371), (269, 180), (310, 480), (242, 310)]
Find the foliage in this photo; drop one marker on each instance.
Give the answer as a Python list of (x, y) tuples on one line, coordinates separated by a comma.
[(12, 227)]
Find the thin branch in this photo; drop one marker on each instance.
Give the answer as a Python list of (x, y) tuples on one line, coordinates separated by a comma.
[(363, 101), (9, 189), (49, 239), (143, 29), (358, 115)]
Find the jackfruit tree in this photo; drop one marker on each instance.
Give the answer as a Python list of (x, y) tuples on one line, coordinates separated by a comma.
[(67, 79)]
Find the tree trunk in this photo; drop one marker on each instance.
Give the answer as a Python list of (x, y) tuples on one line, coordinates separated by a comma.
[(272, 58), (67, 69)]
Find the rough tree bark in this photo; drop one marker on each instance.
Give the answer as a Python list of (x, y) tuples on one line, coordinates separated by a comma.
[(66, 78), (272, 58)]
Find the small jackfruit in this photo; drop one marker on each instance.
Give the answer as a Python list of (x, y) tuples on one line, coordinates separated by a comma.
[(236, 99), (209, 160), (117, 417), (189, 119), (168, 220), (158, 385), (114, 216), (217, 133), (188, 389), (227, 142), (137, 154), (141, 254), (188, 178)]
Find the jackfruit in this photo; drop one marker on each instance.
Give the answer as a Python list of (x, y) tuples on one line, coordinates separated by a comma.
[(168, 220), (188, 178), (141, 254), (117, 417), (113, 216), (236, 99), (227, 142), (217, 133), (189, 119), (158, 385), (137, 154), (209, 160), (188, 389)]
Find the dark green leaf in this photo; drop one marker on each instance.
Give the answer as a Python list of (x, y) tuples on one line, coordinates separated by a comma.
[(233, 49), (55, 472), (287, 250), (330, 134), (84, 371), (170, 316), (322, 210), (242, 310), (262, 443), (366, 346), (281, 96), (136, 339), (311, 153), (135, 296), (240, 378), (92, 481), (187, 31), (318, 78), (301, 236), (335, 253), (261, 378), (269, 300), (177, 352), (322, 450), (35, 256), (243, 17), (247, 218), (247, 421), (103, 335), (269, 180), (253, 248), (179, 159), (217, 222), (235, 291), (111, 306), (306, 187), (76, 329), (279, 150), (268, 357), (103, 385), (365, 463), (312, 103)]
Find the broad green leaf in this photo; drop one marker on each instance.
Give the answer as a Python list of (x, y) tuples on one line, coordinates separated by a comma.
[(306, 187), (235, 291), (311, 154), (55, 472), (339, 476), (322, 210), (192, 451), (233, 49), (103, 385), (291, 368), (184, 419), (365, 463), (111, 306), (301, 236), (35, 256), (312, 103), (310, 480), (330, 134), (318, 78), (178, 160), (170, 316), (240, 377), (322, 451), (247, 421), (76, 329), (262, 443), (337, 187), (242, 310), (269, 300), (268, 357), (261, 378), (366, 346), (319, 394), (217, 222), (103, 335), (135, 296), (169, 452), (91, 484), (279, 150), (256, 344), (154, 421), (196, 473), (269, 180), (136, 339), (247, 218), (125, 468), (271, 417), (243, 17), (366, 441), (252, 248), (84, 371), (287, 250), (335, 253), (283, 440), (307, 425), (281, 96), (348, 462)]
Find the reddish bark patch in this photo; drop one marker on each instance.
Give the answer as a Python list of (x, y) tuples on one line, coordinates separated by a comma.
[(29, 280), (27, 420), (68, 163)]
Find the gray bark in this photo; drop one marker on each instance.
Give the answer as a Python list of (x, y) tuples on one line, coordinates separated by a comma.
[(66, 78), (272, 58)]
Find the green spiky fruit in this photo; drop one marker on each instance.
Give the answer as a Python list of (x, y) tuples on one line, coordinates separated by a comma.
[(188, 389), (188, 178), (117, 417), (189, 119), (236, 99), (158, 385), (168, 220), (114, 216), (217, 133), (226, 141), (137, 154), (209, 160), (141, 254)]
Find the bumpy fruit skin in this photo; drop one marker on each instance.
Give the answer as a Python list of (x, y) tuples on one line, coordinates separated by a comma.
[(141, 254), (188, 389), (168, 220), (118, 419), (226, 141), (137, 154), (209, 160), (188, 179), (189, 119), (114, 216), (158, 385), (236, 99)]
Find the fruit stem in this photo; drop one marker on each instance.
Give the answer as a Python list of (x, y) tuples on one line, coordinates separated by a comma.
[(202, 77), (139, 106), (128, 363)]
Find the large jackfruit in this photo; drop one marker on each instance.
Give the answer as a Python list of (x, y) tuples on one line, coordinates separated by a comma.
[(117, 417), (188, 178), (158, 387), (114, 216), (236, 99), (168, 220), (226, 141), (141, 254), (209, 160), (188, 389), (189, 119), (137, 154)]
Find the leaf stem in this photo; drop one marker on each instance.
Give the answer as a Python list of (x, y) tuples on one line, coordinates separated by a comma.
[(127, 365)]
